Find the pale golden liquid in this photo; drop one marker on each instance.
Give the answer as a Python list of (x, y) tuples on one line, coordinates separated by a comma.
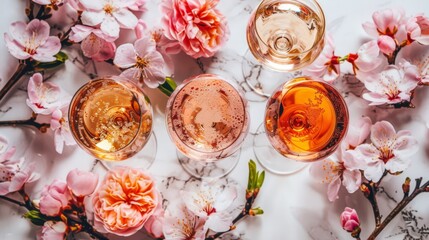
[(282, 33), (305, 118), (107, 118), (207, 116)]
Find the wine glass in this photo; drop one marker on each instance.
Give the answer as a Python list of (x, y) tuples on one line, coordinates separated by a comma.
[(284, 36), (305, 120), (207, 119), (111, 119)]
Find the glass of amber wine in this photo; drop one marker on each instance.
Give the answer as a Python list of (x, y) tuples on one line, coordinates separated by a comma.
[(111, 119), (305, 120), (284, 36), (207, 119)]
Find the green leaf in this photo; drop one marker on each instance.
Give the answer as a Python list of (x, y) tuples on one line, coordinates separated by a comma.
[(36, 217), (60, 58), (168, 86), (260, 180), (252, 176)]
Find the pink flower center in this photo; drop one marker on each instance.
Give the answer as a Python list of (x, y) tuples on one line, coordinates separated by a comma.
[(385, 154), (209, 209), (31, 45), (142, 62), (332, 170), (6, 175), (392, 92), (388, 32), (108, 9)]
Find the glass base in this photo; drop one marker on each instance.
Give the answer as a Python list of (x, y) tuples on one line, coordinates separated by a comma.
[(209, 170), (272, 160), (142, 159), (262, 80)]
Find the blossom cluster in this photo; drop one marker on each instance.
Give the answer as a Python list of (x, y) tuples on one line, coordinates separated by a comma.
[(386, 80), (357, 160)]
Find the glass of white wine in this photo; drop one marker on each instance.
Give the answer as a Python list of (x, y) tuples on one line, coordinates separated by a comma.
[(207, 119), (284, 36), (111, 119)]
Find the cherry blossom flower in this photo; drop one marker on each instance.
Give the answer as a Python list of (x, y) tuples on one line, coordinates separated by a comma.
[(385, 22), (198, 26), (111, 15), (418, 29), (52, 231), (327, 65), (6, 154), (60, 126), (211, 202), (183, 224), (49, 2), (142, 62), (95, 44), (54, 198), (42, 97), (32, 41), (350, 220), (367, 59), (125, 200), (386, 44), (390, 150), (392, 85), (81, 183)]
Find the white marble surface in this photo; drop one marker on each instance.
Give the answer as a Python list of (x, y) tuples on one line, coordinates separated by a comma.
[(296, 206)]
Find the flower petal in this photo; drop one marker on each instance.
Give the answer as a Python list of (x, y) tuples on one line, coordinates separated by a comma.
[(405, 144), (38, 30), (110, 27), (352, 180), (91, 4), (51, 47), (126, 18), (15, 49), (383, 134), (219, 222), (18, 32), (333, 189), (374, 171), (92, 18), (125, 56), (145, 46)]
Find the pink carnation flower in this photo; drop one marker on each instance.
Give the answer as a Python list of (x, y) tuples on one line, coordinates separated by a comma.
[(125, 200), (32, 41), (198, 26), (141, 61), (392, 85), (327, 65), (61, 128), (42, 97), (390, 150), (110, 15)]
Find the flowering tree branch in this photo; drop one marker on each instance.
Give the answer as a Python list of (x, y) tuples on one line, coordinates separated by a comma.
[(42, 127), (401, 205)]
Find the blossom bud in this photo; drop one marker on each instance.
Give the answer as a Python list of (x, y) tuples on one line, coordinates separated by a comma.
[(350, 221), (82, 183), (406, 186)]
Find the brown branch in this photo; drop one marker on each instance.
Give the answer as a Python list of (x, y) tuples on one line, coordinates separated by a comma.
[(13, 201), (31, 122), (399, 207), (22, 69), (370, 193)]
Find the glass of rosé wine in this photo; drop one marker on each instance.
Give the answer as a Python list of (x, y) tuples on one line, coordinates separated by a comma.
[(207, 120), (305, 120), (284, 36), (111, 119)]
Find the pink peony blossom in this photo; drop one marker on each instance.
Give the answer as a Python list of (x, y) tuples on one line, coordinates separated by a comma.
[(55, 198), (49, 2), (182, 224), (327, 65), (125, 200), (81, 183), (198, 26), (142, 62), (32, 41), (53, 231), (350, 220), (110, 15), (392, 85), (386, 44), (366, 60), (385, 22), (154, 224), (42, 97), (418, 29), (389, 151), (61, 128)]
